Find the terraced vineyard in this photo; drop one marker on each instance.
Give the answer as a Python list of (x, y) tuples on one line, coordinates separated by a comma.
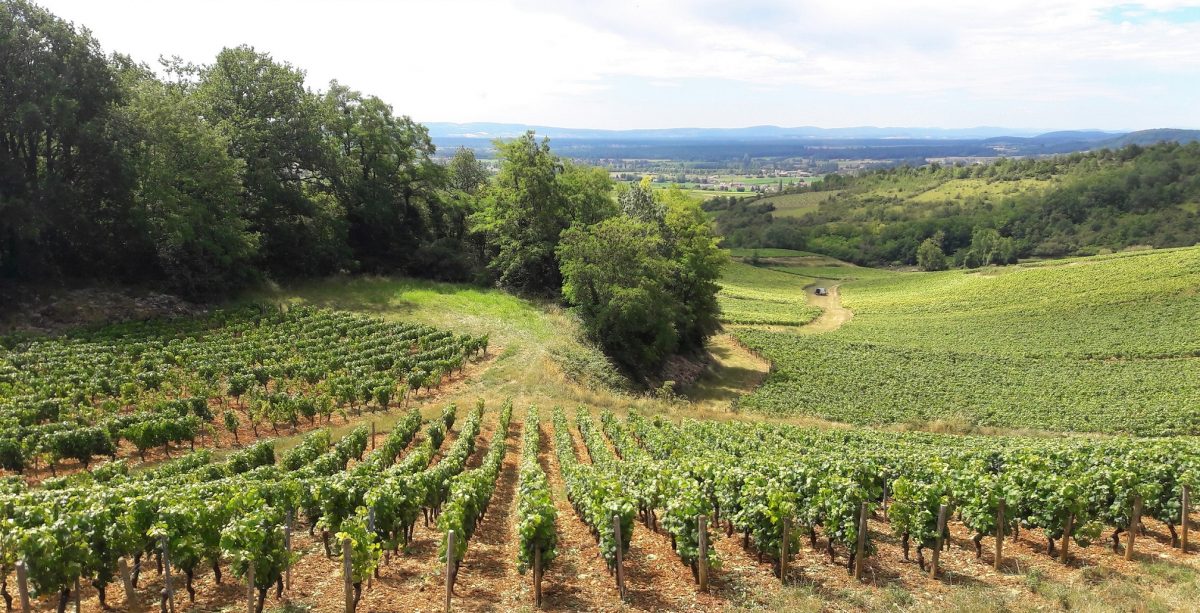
[(149, 386), (1102, 344)]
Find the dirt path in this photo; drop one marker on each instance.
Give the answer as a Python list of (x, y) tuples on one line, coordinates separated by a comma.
[(833, 314), (736, 371), (488, 578)]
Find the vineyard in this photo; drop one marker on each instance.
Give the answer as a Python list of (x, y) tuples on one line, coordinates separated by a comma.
[(740, 494), (505, 506), (752, 295), (1103, 344), (1127, 305), (868, 383), (764, 500), (148, 387)]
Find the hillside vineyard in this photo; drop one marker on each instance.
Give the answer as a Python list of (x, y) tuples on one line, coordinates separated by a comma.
[(154, 384), (1099, 344)]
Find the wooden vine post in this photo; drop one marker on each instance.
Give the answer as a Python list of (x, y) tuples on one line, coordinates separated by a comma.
[(783, 551), (620, 557), (126, 580), (348, 573), (449, 567), (1183, 519), (537, 576), (999, 535), (702, 526), (287, 544), (883, 499), (23, 586), (1066, 538), (79, 598), (372, 435), (170, 589), (1134, 519), (861, 550), (371, 526), (937, 551), (250, 608)]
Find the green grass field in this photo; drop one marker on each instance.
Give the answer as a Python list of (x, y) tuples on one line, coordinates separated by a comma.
[(709, 194), (841, 272), (1101, 344), (532, 337), (796, 205)]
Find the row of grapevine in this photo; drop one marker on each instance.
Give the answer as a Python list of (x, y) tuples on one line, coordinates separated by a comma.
[(337, 497), (232, 511), (204, 514), (672, 489), (762, 475), (470, 492), (537, 537), (596, 495), (385, 499), (757, 491)]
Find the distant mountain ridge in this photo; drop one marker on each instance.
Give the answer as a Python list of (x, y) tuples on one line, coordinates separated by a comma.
[(510, 130), (1086, 139), (1150, 137)]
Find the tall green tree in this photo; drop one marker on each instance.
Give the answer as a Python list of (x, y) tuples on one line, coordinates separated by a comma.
[(526, 208), (697, 261), (930, 255), (64, 183), (466, 172), (989, 248), (615, 274), (385, 178), (273, 124), (638, 201), (645, 284), (188, 193)]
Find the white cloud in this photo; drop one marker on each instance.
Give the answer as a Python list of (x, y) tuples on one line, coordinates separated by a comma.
[(544, 61)]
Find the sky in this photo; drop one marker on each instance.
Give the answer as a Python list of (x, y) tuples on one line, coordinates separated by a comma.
[(1028, 64)]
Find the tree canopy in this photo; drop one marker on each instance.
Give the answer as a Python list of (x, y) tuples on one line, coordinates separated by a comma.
[(531, 201), (211, 177), (645, 288)]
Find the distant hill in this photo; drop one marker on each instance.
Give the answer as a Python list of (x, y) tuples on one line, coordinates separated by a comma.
[(1150, 137), (988, 134), (907, 145), (1076, 135), (1111, 198), (485, 130)]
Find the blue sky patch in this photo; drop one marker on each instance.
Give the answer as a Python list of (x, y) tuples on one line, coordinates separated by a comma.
[(1140, 13)]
